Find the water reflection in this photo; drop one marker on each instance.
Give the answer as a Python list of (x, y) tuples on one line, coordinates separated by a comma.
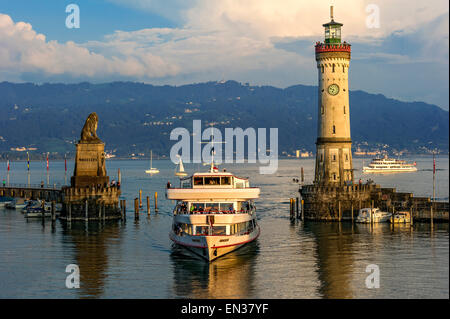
[(90, 244), (231, 276), (334, 255)]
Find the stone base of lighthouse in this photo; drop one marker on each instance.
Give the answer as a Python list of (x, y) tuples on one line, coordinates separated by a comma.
[(339, 203)]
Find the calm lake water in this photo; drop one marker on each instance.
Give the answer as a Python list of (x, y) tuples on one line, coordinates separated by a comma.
[(300, 260)]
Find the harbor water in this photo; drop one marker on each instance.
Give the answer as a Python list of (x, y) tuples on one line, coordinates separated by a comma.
[(136, 259)]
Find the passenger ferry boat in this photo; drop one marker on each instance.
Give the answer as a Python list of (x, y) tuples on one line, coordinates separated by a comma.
[(389, 165), (214, 213)]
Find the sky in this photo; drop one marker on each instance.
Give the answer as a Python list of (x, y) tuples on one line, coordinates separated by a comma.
[(399, 47)]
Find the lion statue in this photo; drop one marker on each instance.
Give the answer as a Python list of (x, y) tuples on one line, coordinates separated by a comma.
[(89, 131)]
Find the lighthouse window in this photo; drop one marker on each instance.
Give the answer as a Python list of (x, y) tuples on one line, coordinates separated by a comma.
[(346, 157), (322, 68), (334, 158), (333, 68), (344, 109), (334, 176), (321, 157), (343, 69), (334, 129), (321, 109)]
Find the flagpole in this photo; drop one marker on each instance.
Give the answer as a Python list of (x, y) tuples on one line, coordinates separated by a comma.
[(434, 177), (28, 168), (7, 178), (48, 177), (65, 170)]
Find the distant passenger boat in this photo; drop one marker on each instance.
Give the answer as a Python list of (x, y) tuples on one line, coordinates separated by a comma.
[(152, 170), (389, 165), (368, 215), (180, 166)]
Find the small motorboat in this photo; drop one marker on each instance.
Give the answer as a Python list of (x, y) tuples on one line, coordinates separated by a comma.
[(16, 204), (401, 217), (5, 200), (36, 213), (373, 215)]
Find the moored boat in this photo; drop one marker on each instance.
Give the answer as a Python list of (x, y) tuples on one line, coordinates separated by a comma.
[(401, 217), (372, 215), (214, 213), (16, 204)]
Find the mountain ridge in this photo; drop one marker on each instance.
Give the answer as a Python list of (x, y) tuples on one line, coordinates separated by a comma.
[(136, 117)]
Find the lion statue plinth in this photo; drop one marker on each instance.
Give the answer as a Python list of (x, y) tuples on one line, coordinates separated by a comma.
[(89, 131)]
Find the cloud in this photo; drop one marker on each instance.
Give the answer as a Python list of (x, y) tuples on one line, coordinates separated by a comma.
[(257, 41), (24, 50)]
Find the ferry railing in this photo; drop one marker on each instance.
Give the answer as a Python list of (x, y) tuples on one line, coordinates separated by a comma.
[(224, 212)]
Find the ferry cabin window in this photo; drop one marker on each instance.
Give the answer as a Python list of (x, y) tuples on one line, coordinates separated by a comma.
[(225, 180), (212, 207), (198, 207), (219, 230), (226, 207), (212, 180), (201, 230), (198, 180)]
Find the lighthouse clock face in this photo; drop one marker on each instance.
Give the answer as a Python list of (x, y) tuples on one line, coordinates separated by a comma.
[(333, 89)]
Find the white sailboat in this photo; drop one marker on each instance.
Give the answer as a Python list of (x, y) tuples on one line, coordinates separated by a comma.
[(152, 170), (180, 166)]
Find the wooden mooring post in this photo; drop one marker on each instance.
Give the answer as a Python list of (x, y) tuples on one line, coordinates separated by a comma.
[(136, 209), (86, 210), (53, 212), (352, 213), (291, 209), (140, 198), (156, 202), (43, 211), (302, 211), (148, 205), (124, 210), (297, 208)]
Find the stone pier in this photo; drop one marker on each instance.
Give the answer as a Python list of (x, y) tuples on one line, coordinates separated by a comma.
[(336, 203)]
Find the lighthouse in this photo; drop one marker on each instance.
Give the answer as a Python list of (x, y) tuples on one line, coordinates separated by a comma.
[(333, 145), (333, 196)]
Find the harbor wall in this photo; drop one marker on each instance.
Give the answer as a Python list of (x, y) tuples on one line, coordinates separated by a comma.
[(339, 203)]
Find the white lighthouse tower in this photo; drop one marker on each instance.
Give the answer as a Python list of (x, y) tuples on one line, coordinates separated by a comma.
[(333, 156)]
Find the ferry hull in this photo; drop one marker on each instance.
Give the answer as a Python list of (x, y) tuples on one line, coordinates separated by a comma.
[(213, 247)]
